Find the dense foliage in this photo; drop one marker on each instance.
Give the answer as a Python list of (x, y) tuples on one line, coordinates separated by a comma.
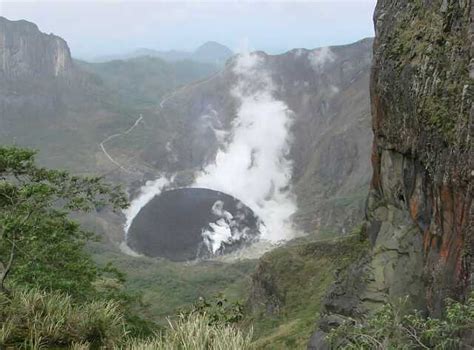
[(391, 328), (40, 245)]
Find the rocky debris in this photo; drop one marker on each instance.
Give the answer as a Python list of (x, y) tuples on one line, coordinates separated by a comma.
[(54, 98)]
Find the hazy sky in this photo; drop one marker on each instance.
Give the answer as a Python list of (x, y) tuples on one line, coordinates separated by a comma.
[(95, 28)]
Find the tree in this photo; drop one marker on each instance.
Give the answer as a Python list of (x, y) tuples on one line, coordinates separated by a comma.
[(40, 245)]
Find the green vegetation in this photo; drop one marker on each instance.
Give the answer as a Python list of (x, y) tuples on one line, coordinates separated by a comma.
[(40, 245), (219, 310), (32, 319), (168, 286), (194, 332), (292, 282), (41, 248), (300, 272), (392, 328), (103, 99)]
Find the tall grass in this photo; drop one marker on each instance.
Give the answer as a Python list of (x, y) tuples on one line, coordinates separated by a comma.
[(33, 319), (194, 332)]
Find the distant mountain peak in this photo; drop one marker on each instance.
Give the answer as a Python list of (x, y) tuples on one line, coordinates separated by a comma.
[(213, 45), (212, 51)]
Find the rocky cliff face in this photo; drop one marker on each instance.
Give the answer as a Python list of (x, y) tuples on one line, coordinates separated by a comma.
[(47, 102), (27, 53), (419, 214), (331, 142), (422, 156)]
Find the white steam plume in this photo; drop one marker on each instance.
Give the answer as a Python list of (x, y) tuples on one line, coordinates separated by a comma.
[(320, 57), (221, 230), (253, 166), (147, 192)]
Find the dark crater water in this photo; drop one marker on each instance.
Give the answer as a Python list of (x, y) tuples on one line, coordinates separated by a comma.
[(171, 225)]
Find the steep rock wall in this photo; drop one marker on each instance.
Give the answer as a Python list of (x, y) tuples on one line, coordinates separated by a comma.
[(26, 52), (422, 122), (419, 212)]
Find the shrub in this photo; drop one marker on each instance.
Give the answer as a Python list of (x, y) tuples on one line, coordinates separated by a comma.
[(389, 328), (218, 310)]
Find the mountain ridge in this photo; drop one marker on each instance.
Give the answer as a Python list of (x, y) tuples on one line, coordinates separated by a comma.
[(209, 52)]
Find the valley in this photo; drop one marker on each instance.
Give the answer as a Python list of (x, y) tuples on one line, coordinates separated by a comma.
[(177, 133)]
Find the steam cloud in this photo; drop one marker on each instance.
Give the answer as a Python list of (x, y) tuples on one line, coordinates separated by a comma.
[(319, 57), (147, 192), (253, 166), (225, 229)]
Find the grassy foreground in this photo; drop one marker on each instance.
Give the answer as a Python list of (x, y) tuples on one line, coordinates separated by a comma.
[(33, 319)]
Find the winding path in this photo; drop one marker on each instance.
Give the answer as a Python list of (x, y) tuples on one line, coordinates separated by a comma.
[(102, 147), (140, 119)]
